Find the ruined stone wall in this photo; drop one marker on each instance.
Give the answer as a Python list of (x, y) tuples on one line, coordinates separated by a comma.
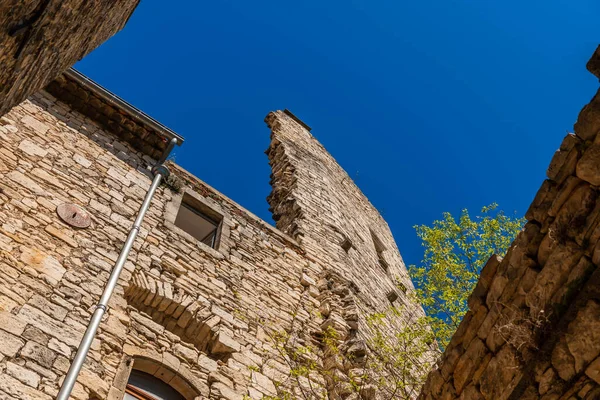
[(316, 202), (533, 329), (191, 315), (41, 38)]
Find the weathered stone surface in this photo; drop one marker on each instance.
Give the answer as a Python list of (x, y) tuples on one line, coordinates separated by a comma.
[(24, 375), (41, 40), (588, 124), (225, 391), (263, 383), (541, 311), (22, 180), (587, 167), (18, 390), (593, 370), (499, 378), (583, 335), (563, 163), (11, 324), (554, 274), (44, 263), (39, 354), (468, 363), (32, 149), (11, 344), (224, 344)]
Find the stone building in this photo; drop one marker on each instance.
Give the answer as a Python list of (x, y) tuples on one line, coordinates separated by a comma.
[(206, 284)]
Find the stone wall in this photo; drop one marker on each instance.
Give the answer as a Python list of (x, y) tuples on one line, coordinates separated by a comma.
[(41, 38), (182, 311), (533, 329)]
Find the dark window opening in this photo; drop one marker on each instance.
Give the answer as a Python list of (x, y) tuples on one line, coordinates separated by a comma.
[(379, 248), (392, 296), (383, 263), (401, 286), (199, 221), (143, 386), (346, 245)]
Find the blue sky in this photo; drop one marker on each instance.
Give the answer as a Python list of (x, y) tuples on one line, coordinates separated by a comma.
[(430, 106)]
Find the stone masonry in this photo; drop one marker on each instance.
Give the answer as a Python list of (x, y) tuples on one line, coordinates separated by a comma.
[(533, 329), (41, 38), (196, 317)]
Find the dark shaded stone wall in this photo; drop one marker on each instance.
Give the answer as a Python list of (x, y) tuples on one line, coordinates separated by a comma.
[(533, 329), (41, 38)]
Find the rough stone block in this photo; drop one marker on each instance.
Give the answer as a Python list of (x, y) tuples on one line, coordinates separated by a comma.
[(263, 383), (43, 263), (39, 353), (24, 375), (10, 344), (11, 323), (223, 343)]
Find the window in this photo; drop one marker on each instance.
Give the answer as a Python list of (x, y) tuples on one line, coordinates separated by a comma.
[(346, 244), (379, 248), (143, 386), (198, 220), (392, 296), (401, 286)]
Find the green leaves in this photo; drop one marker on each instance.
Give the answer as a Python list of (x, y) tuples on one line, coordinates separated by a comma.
[(455, 252), (401, 356)]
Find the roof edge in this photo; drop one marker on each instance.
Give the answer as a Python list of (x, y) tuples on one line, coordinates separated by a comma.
[(131, 110), (116, 115)]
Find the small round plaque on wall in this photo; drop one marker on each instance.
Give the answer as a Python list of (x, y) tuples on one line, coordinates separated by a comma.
[(74, 215)]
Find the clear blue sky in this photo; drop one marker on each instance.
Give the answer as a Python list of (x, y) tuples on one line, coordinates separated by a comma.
[(430, 106)]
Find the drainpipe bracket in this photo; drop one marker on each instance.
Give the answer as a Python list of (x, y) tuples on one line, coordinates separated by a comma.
[(161, 169)]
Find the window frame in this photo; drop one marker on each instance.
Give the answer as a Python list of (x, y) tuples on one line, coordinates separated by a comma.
[(206, 207), (201, 213), (138, 393)]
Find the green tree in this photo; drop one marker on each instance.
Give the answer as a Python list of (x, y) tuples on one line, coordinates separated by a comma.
[(455, 253)]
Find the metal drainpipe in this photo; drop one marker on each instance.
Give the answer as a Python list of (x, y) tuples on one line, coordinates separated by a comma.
[(159, 171)]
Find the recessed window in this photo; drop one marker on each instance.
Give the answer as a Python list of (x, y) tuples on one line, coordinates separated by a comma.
[(346, 245), (143, 386), (401, 286), (379, 248), (392, 296), (199, 220)]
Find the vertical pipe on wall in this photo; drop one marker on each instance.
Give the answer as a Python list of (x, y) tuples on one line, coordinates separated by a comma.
[(160, 172)]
